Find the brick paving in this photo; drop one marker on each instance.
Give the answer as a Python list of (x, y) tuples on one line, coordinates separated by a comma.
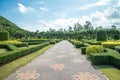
[(61, 62)]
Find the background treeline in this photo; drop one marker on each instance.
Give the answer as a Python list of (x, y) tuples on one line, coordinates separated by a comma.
[(78, 31)]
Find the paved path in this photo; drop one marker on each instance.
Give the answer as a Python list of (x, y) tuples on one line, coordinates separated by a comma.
[(61, 62)]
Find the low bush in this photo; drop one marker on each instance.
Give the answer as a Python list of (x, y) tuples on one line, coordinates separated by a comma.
[(36, 40), (12, 55), (111, 44), (52, 42), (83, 50), (111, 57), (96, 43), (11, 47), (10, 42), (24, 44), (117, 48), (86, 44), (94, 49)]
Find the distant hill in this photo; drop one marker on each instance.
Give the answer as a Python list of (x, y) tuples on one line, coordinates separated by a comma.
[(6, 25)]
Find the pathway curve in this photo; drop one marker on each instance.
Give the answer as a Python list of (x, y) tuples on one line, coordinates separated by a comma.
[(61, 62)]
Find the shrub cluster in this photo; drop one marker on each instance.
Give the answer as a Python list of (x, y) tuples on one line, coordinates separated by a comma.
[(101, 35), (110, 44), (117, 48), (12, 55), (111, 57), (4, 35), (94, 49)]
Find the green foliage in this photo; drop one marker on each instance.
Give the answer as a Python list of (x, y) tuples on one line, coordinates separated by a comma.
[(83, 50), (116, 37), (94, 49), (6, 25), (101, 35), (4, 35), (110, 44), (12, 55), (80, 37), (117, 48), (9, 68), (10, 42), (111, 57), (11, 47)]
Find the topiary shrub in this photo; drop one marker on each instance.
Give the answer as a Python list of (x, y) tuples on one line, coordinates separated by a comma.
[(83, 50), (80, 37), (4, 35), (101, 35), (94, 49), (110, 44), (116, 37)]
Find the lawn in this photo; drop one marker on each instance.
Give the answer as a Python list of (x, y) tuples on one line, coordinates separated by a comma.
[(9, 68), (111, 72)]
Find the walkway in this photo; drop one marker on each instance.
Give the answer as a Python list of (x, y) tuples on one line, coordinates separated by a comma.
[(61, 62)]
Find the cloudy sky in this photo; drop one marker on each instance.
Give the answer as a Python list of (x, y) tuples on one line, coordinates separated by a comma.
[(40, 15)]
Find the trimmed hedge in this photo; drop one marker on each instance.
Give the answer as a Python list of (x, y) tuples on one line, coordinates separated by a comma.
[(4, 35), (101, 35), (111, 57), (12, 55), (11, 47), (83, 50), (24, 44), (94, 49), (110, 44), (117, 48)]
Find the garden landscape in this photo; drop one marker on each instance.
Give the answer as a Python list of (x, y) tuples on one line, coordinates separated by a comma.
[(36, 45)]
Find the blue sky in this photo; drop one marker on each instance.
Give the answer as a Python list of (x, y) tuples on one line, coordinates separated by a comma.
[(40, 15)]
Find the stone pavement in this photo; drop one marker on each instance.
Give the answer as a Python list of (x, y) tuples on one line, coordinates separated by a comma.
[(61, 62)]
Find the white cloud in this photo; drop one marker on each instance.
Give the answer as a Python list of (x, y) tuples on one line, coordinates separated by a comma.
[(98, 3), (43, 8), (117, 3), (105, 18), (24, 9), (59, 14)]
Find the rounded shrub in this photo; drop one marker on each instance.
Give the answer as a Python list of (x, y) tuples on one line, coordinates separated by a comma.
[(94, 49), (4, 35), (101, 35)]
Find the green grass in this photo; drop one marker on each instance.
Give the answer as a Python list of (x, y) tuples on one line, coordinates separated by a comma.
[(9, 68), (111, 72)]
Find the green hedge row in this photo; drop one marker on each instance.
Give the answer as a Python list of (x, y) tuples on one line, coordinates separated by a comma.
[(12, 55), (111, 57), (11, 47), (117, 48)]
